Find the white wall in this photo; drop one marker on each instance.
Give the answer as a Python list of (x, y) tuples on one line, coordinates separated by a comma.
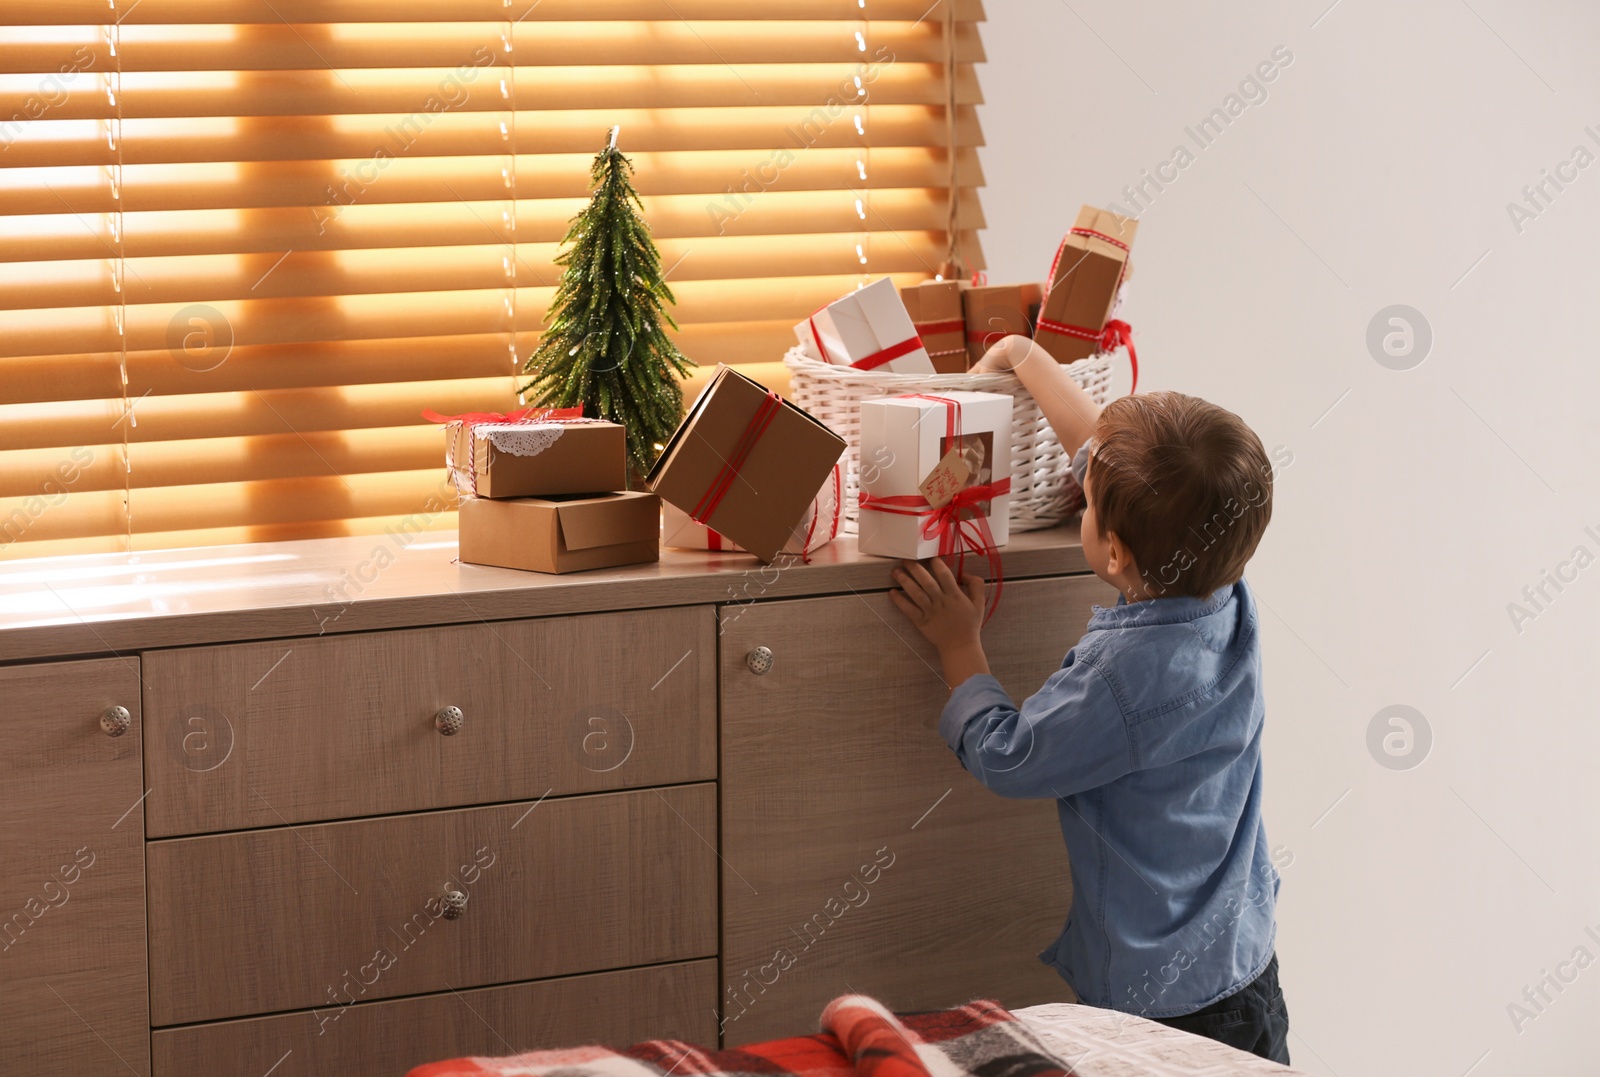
[(1377, 172)]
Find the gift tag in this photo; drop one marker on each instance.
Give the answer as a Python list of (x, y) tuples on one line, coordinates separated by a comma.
[(948, 478)]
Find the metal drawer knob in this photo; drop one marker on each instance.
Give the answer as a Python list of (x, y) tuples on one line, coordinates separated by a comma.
[(759, 661), (453, 904), (115, 721), (449, 721)]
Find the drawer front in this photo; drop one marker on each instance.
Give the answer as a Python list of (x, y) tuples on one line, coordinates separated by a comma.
[(859, 851), (339, 727), (386, 1039), (344, 913), (72, 942)]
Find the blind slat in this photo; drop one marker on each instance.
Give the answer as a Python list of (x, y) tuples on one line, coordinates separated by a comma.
[(356, 317), (310, 274), (283, 47), (326, 187), (323, 92), (760, 213), (94, 12), (220, 139)]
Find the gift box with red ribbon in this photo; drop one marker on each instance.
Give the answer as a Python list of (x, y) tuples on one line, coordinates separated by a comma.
[(935, 475), (939, 318), (534, 452), (1090, 264), (746, 463), (993, 311), (869, 329), (818, 527)]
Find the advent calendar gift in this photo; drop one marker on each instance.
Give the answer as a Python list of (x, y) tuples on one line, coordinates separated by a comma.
[(936, 312), (818, 527), (746, 463), (534, 452), (936, 475), (869, 329), (1075, 316)]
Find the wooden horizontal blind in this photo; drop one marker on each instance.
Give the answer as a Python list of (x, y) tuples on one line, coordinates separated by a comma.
[(244, 243)]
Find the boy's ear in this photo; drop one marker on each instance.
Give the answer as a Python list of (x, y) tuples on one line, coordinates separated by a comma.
[(1119, 559)]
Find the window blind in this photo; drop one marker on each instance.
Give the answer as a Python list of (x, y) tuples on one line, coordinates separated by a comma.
[(244, 243)]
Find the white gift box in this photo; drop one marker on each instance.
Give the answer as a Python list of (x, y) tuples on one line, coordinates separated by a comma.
[(818, 527), (903, 438), (868, 329)]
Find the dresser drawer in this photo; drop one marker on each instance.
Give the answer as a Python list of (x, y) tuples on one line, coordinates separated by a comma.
[(338, 727), (386, 1039), (72, 940), (343, 913)]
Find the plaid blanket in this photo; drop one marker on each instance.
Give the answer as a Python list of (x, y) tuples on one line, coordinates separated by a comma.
[(859, 1038)]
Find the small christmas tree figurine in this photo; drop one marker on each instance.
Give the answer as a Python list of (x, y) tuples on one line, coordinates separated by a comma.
[(607, 347)]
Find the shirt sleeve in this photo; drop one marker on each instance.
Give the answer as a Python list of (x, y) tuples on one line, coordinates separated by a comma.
[(1066, 738), (1080, 463)]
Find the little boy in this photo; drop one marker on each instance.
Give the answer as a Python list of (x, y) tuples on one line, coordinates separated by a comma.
[(1149, 735)]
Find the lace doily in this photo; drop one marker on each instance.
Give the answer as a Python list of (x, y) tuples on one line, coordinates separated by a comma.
[(520, 439)]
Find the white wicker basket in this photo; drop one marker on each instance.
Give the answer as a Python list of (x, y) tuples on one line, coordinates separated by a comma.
[(1043, 492)]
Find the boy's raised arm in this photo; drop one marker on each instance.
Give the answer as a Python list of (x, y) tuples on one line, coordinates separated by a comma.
[(1067, 408)]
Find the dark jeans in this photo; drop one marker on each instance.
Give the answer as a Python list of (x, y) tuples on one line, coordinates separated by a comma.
[(1252, 1019)]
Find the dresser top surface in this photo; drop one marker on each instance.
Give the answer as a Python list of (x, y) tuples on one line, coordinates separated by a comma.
[(120, 603)]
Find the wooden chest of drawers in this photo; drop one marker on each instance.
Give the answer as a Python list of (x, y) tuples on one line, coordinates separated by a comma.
[(513, 826)]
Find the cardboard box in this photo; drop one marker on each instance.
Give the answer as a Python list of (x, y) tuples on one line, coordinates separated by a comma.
[(939, 316), (868, 329), (912, 434), (746, 462), (569, 533), (998, 310), (537, 458), (1088, 269), (818, 527)]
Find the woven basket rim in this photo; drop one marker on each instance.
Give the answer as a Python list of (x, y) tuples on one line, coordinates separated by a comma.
[(798, 359)]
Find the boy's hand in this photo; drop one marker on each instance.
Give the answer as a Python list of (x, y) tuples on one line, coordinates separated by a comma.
[(1003, 355), (948, 612)]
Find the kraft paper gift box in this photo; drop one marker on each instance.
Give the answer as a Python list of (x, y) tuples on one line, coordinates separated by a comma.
[(939, 317), (536, 457), (907, 437), (993, 311), (869, 329), (561, 534), (1089, 267), (818, 527), (745, 462)]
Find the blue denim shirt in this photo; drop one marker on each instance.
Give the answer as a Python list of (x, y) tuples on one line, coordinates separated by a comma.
[(1149, 739)]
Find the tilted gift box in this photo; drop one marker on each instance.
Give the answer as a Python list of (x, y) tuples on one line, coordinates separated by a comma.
[(939, 317), (993, 311), (561, 534), (745, 462), (903, 439), (868, 329), (1088, 268), (818, 527), (536, 456)]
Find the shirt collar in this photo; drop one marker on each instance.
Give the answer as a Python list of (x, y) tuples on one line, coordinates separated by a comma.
[(1160, 611)]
